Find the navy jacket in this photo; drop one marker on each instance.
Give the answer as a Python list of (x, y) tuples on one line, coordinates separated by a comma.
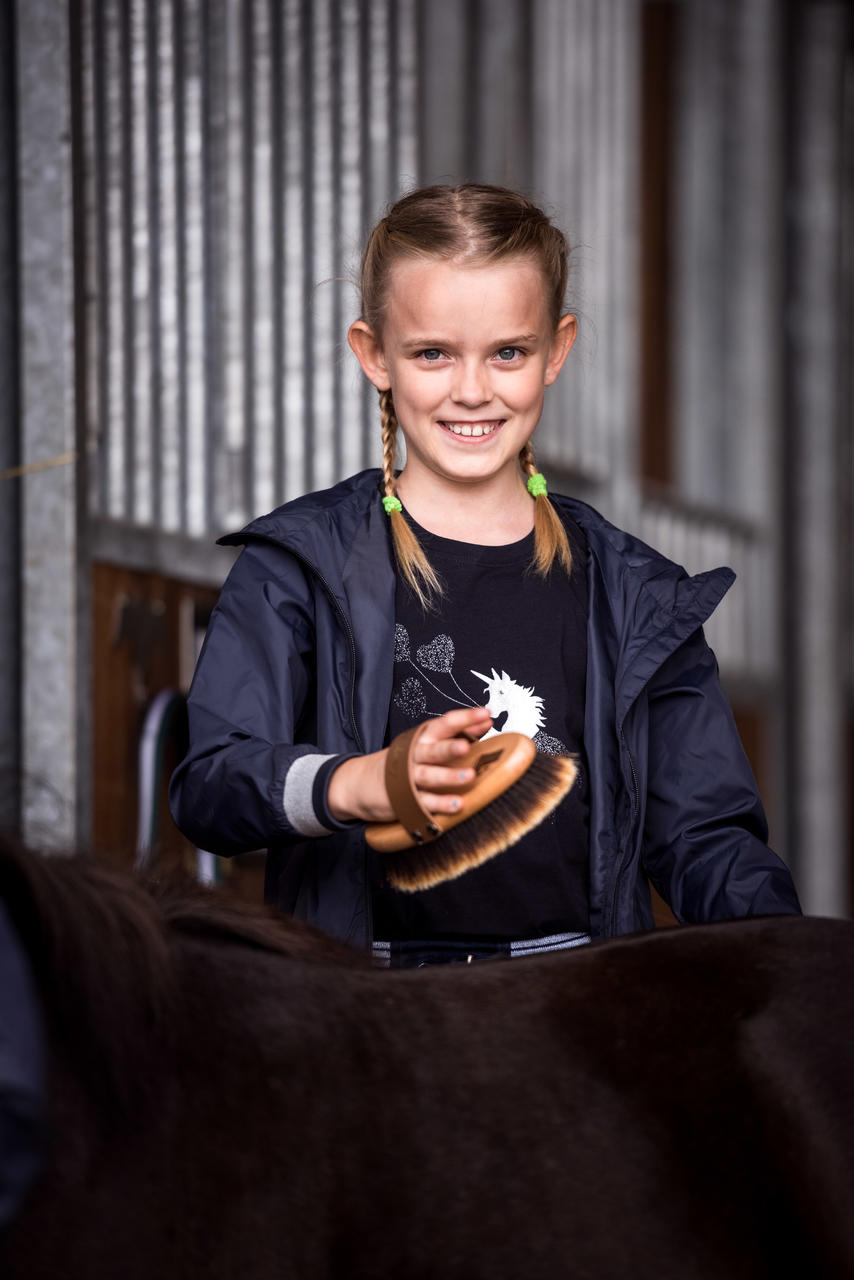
[(297, 668)]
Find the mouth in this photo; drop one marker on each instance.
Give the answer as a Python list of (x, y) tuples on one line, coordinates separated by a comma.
[(473, 430)]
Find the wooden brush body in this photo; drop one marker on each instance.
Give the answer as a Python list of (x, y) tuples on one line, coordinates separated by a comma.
[(514, 788), (498, 763)]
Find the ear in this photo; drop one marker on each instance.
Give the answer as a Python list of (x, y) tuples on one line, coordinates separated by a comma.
[(368, 351), (562, 341)]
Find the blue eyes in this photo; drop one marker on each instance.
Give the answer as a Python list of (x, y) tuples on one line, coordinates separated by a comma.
[(504, 355)]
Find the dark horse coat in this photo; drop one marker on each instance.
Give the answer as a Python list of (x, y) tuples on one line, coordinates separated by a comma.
[(235, 1096)]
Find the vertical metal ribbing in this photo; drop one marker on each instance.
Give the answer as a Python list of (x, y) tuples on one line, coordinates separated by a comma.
[(560, 53), (235, 154), (406, 80), (625, 302), (112, 248), (497, 127), (211, 94), (604, 180), (373, 163), (140, 451), (471, 155), (233, 499), (262, 262), (595, 227), (169, 418), (277, 179), (699, 248), (753, 250), (350, 425), (10, 441), (375, 142), (195, 467), (180, 118), (246, 192), (293, 355), (153, 207), (334, 286), (393, 99), (91, 258), (319, 317), (617, 295), (125, 177), (366, 395), (307, 167)]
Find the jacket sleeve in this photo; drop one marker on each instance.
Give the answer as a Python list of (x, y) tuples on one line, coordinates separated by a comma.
[(247, 781), (705, 833)]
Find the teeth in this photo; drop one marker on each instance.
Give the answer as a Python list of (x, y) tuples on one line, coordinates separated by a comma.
[(469, 429)]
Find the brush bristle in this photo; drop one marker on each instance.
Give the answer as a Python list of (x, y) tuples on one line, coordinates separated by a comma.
[(493, 829)]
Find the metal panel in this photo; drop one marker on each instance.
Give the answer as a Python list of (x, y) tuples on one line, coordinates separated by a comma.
[(50, 687), (234, 153), (10, 443), (586, 55)]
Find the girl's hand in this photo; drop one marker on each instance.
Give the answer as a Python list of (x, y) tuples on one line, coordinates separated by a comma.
[(357, 787)]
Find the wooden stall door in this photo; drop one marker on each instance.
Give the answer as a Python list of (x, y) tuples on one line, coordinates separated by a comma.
[(142, 641)]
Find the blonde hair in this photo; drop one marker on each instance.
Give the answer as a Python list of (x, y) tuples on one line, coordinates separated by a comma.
[(472, 223)]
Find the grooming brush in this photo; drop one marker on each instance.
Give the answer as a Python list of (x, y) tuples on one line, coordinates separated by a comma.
[(514, 788)]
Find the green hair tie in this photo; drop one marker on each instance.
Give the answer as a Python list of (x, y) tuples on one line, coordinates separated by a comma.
[(390, 503), (537, 486)]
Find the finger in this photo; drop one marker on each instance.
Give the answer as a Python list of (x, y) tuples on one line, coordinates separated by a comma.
[(440, 804), (444, 752), (468, 720), (431, 777)]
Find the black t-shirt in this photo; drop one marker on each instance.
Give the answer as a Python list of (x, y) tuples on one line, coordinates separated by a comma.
[(504, 637)]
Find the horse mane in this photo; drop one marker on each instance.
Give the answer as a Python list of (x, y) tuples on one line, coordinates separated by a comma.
[(508, 686), (101, 943)]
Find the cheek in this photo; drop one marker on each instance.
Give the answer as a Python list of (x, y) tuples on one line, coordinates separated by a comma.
[(408, 388), (529, 389)]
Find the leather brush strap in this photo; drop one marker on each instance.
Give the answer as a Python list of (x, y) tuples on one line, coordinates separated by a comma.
[(401, 788), (498, 762)]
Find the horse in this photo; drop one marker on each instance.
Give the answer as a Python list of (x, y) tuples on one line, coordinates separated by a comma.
[(233, 1094)]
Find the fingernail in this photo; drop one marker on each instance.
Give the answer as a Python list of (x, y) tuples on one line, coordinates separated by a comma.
[(462, 775), (455, 804)]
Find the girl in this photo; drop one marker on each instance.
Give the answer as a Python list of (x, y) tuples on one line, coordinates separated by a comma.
[(393, 599)]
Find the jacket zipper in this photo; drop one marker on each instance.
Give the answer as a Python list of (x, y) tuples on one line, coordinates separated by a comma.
[(259, 537), (635, 810)]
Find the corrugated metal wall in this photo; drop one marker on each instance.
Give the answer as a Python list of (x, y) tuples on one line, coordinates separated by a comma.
[(234, 152), (186, 174)]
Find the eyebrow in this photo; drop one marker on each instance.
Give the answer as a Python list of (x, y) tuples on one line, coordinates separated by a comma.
[(426, 344)]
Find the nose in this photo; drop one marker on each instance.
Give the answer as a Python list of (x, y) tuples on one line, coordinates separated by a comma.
[(471, 386)]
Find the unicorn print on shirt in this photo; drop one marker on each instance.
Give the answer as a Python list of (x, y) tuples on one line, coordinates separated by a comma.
[(504, 696), (524, 710)]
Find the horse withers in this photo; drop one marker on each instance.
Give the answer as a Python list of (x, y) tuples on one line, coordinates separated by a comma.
[(232, 1095)]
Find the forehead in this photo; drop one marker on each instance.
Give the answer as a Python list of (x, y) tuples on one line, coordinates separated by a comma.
[(431, 296)]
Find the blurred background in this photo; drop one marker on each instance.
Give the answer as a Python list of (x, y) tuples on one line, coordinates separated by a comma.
[(184, 187)]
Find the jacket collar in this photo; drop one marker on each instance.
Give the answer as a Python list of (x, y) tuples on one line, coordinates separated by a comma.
[(342, 535), (645, 605), (321, 527)]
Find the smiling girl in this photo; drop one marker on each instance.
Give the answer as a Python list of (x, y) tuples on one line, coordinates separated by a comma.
[(458, 592)]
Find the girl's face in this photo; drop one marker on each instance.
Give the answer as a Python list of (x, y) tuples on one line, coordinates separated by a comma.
[(467, 351)]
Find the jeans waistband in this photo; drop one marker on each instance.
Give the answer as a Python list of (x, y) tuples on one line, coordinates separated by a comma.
[(417, 953)]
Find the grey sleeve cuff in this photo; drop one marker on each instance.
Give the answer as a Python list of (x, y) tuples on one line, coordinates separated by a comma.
[(304, 798), (299, 793)]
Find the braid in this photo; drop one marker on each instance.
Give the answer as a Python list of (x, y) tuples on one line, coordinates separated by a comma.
[(389, 428), (526, 459), (414, 565), (550, 540)]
